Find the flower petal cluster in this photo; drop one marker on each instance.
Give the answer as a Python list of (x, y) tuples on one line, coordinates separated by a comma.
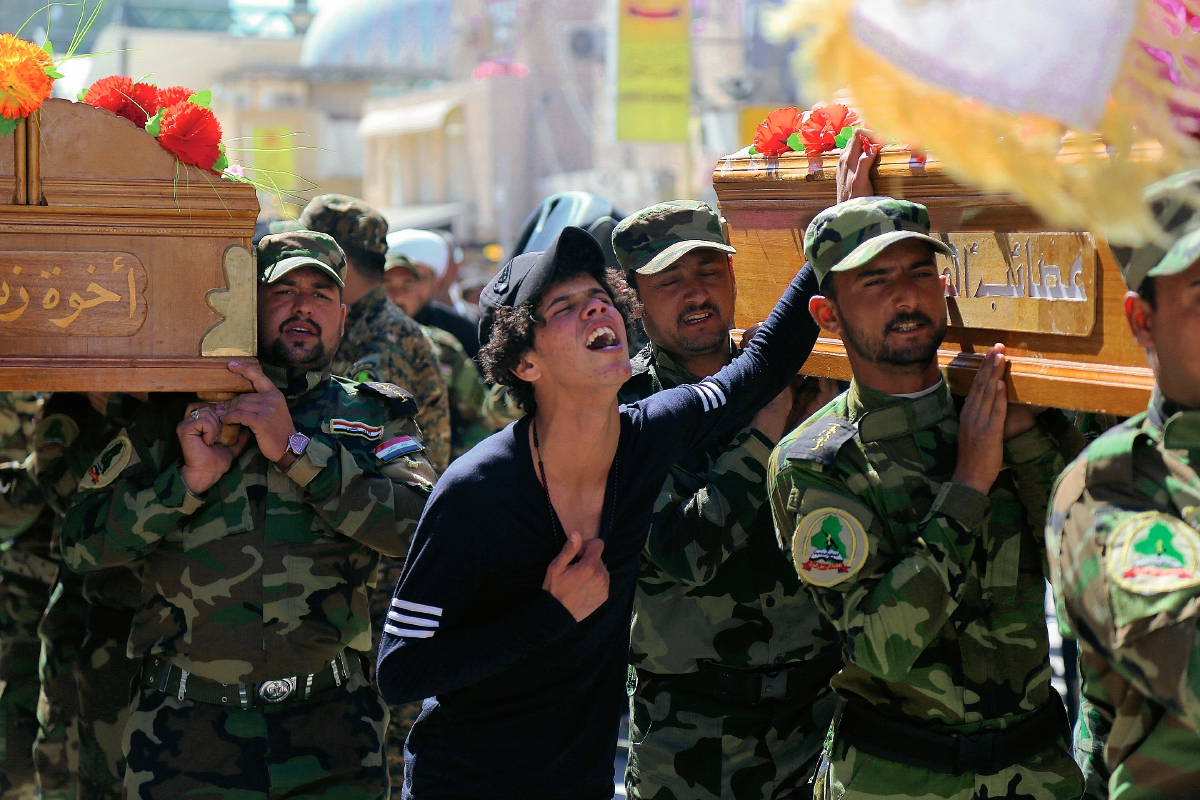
[(25, 80), (191, 133), (135, 101), (816, 131), (771, 139)]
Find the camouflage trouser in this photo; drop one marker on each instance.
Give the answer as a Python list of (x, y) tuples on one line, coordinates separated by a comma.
[(106, 676), (854, 775), (1091, 732), (1165, 766), (403, 717), (328, 747), (56, 749), (683, 745), (22, 602)]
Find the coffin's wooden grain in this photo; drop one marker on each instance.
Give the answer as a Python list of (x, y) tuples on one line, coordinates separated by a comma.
[(161, 236), (768, 203)]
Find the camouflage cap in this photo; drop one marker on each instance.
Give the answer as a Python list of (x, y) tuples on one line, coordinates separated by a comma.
[(396, 258), (280, 253), (1174, 202), (350, 221), (654, 238), (850, 234)]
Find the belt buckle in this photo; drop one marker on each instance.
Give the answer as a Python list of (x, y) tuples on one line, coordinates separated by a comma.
[(276, 691), (773, 686)]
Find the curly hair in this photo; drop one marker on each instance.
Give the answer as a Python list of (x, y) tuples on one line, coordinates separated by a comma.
[(513, 332)]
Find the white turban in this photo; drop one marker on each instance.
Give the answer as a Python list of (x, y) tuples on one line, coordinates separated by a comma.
[(421, 247)]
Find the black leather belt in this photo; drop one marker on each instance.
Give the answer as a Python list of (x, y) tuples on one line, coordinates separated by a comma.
[(157, 673), (953, 753), (750, 687), (109, 621)]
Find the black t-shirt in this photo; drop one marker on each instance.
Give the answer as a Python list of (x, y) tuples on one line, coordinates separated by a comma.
[(440, 315), (523, 702)]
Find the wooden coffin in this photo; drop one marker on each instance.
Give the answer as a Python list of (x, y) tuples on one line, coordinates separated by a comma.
[(1053, 297), (120, 268)]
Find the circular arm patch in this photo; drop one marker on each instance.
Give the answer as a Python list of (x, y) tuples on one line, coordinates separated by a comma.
[(108, 465), (830, 545), (1153, 553)]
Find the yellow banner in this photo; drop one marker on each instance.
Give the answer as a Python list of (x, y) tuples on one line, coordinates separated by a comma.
[(654, 70)]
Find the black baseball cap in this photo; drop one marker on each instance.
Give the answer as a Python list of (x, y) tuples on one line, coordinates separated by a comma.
[(527, 276)]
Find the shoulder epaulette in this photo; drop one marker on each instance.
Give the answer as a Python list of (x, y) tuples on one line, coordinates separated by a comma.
[(1110, 457), (401, 402), (820, 441)]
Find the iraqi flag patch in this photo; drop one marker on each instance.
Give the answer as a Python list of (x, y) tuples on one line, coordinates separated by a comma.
[(348, 427), (394, 448)]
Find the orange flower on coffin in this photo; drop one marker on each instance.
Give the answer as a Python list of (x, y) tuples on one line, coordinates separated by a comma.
[(820, 127), (771, 138), (191, 133), (24, 84), (136, 102)]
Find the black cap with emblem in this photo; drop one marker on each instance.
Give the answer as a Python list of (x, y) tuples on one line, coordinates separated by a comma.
[(527, 276)]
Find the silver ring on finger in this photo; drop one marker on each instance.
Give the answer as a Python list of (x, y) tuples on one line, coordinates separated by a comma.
[(195, 414)]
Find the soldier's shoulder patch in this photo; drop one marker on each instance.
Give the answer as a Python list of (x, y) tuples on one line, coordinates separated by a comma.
[(111, 462), (351, 427), (829, 546), (821, 440), (55, 432), (394, 448), (364, 370), (1154, 553), (402, 403)]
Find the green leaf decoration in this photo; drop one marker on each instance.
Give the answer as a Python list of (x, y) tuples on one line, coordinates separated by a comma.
[(753, 150), (53, 73), (844, 136), (202, 98), (48, 46), (7, 125), (82, 94), (221, 163), (154, 124), (794, 142)]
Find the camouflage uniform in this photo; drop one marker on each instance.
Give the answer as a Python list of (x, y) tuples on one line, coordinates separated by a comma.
[(713, 589), (255, 594), (1123, 537), (381, 342), (936, 590), (27, 568), (730, 659), (84, 632), (469, 424)]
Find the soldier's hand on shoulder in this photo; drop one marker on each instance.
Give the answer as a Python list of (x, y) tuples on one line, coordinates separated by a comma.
[(205, 459), (264, 411), (981, 425)]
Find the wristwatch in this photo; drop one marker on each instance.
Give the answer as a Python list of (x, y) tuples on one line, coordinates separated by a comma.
[(296, 445)]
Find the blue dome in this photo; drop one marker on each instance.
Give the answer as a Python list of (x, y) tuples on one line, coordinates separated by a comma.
[(392, 34)]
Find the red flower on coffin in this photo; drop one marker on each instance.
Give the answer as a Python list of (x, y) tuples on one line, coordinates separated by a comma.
[(771, 138), (820, 126), (172, 95), (192, 134), (136, 102)]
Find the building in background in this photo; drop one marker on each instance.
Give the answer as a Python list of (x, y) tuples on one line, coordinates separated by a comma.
[(457, 114)]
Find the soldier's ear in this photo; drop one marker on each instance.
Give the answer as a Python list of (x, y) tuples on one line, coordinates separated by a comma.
[(342, 323), (825, 313), (1140, 316)]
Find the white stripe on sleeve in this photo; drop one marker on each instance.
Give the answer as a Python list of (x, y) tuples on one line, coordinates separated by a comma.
[(407, 633), (704, 396), (416, 608), (718, 393), (421, 622)]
